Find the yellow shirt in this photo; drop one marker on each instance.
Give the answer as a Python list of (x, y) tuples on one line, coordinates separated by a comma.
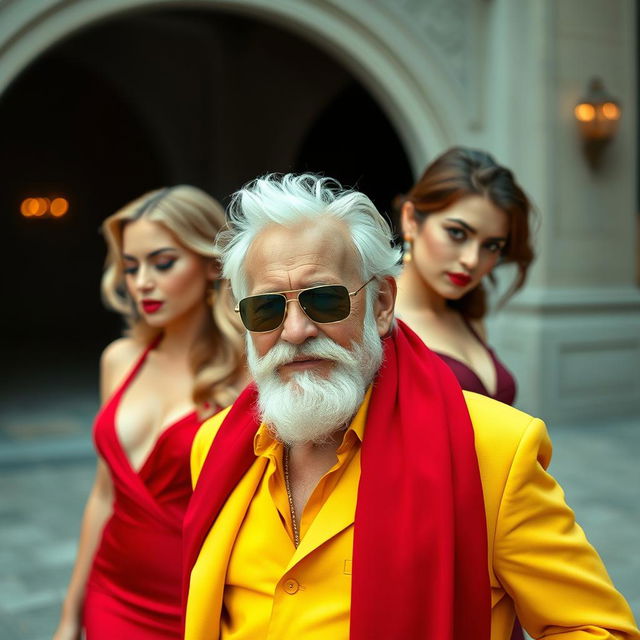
[(537, 554), (268, 580)]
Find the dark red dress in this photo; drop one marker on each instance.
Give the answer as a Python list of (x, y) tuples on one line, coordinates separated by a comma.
[(469, 380), (134, 588)]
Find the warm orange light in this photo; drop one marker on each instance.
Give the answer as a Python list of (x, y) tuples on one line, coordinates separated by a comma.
[(34, 206), (25, 208), (58, 207), (39, 207), (585, 112), (611, 111), (43, 206)]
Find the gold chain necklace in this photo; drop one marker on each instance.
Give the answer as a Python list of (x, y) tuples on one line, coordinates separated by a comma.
[(294, 522)]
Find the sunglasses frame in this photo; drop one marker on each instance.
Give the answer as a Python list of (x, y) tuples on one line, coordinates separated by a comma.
[(297, 299)]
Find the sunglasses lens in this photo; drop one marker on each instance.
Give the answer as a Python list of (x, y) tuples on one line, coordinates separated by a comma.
[(326, 304), (262, 313)]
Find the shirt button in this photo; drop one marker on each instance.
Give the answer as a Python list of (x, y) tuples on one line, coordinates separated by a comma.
[(291, 586)]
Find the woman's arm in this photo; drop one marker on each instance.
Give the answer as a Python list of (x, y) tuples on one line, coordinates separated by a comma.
[(113, 363), (96, 513)]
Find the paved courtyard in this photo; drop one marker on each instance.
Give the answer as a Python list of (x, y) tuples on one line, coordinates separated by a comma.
[(47, 466)]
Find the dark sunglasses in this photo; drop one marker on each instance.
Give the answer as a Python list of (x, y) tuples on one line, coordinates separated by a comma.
[(323, 304)]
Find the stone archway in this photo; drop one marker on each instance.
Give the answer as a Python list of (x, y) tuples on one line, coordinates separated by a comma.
[(397, 75), (365, 37)]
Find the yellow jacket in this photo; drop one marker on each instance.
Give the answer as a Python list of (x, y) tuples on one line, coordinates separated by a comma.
[(537, 555)]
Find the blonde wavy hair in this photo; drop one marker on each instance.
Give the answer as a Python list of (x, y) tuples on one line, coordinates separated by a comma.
[(194, 218)]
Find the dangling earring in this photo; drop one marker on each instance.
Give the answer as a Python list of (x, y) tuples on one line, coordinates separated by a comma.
[(407, 246), (210, 295)]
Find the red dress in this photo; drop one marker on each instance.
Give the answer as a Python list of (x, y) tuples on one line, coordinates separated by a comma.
[(134, 588)]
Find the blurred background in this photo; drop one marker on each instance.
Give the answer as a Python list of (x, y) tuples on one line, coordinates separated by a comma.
[(101, 101)]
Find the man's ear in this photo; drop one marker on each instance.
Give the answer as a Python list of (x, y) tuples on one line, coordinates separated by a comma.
[(384, 305), (408, 220)]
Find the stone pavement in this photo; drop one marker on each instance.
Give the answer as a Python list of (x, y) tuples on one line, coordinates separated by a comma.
[(45, 478), (40, 509)]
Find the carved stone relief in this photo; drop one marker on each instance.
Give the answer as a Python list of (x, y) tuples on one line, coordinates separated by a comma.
[(455, 31)]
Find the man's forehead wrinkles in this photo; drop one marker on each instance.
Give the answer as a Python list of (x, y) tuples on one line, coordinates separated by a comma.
[(278, 278), (301, 264), (319, 253)]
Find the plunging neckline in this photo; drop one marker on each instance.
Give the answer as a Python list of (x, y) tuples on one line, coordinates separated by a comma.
[(117, 399), (467, 366), (163, 434), (446, 356), (488, 350)]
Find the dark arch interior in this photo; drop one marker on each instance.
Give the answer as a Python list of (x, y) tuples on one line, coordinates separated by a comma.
[(147, 99), (66, 132), (351, 140)]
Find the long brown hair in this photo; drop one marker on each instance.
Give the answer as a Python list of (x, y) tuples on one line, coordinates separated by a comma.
[(194, 218), (461, 172)]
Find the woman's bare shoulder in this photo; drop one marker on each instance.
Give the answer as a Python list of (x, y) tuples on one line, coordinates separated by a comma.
[(121, 352), (117, 358)]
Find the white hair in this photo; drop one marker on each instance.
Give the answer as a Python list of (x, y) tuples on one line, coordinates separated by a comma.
[(287, 200)]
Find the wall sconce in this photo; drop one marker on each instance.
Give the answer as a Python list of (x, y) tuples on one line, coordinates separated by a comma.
[(598, 115)]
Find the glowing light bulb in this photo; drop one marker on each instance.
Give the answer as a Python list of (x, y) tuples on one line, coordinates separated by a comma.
[(611, 111), (43, 206), (585, 112), (58, 207), (25, 208)]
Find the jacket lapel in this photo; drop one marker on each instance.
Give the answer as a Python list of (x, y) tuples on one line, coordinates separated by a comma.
[(208, 576)]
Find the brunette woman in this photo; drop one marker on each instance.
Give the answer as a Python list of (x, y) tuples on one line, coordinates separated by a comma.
[(464, 217), (180, 362)]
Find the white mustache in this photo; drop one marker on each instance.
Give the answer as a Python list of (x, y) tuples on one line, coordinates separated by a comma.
[(283, 353)]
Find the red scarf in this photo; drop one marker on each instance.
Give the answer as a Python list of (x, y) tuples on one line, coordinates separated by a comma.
[(420, 539)]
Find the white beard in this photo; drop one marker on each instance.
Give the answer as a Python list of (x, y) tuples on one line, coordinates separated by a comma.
[(310, 408)]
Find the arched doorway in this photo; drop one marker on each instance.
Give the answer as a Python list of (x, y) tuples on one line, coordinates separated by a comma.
[(149, 98)]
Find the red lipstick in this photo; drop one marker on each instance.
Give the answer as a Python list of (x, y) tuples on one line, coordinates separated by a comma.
[(459, 279), (151, 306)]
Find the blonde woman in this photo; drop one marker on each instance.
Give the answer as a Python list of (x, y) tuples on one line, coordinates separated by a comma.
[(181, 361)]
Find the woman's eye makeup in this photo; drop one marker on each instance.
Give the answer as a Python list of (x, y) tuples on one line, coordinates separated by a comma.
[(165, 264), (161, 264), (130, 269), (494, 247), (456, 233)]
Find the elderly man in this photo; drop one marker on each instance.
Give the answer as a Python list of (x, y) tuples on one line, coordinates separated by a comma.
[(354, 491)]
